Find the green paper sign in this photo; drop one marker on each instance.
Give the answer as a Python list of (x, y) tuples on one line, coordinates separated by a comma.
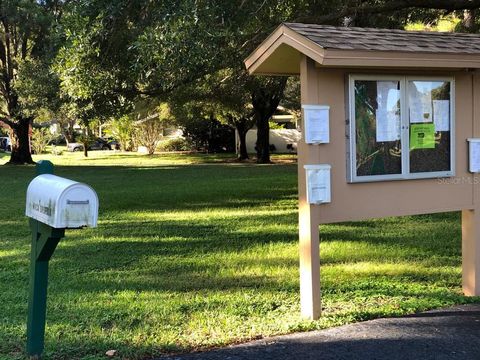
[(422, 136)]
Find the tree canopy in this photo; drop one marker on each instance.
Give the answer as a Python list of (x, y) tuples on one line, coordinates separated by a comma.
[(99, 56), (28, 41)]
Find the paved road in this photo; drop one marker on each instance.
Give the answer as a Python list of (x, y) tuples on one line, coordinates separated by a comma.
[(451, 334)]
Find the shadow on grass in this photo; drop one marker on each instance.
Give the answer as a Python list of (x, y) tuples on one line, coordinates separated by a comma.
[(198, 253), (163, 187), (96, 155), (173, 231)]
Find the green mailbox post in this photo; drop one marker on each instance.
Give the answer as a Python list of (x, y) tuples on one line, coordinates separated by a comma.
[(53, 205)]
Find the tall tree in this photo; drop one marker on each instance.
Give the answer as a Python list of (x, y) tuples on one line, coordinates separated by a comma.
[(122, 48), (27, 41), (224, 96)]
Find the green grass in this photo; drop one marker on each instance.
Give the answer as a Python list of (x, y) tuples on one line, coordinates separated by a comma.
[(192, 253)]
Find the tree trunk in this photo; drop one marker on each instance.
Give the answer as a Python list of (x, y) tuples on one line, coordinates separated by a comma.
[(86, 138), (211, 135), (20, 137), (265, 100), (69, 132), (263, 139), (242, 125), (242, 137)]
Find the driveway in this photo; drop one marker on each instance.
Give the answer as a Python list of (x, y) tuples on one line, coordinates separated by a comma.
[(452, 333)]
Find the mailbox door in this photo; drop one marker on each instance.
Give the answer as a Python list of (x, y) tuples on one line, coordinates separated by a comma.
[(79, 207)]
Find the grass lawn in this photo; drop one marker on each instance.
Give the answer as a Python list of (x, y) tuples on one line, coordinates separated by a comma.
[(192, 252)]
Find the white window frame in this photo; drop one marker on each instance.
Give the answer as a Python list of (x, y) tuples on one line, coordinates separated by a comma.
[(404, 129)]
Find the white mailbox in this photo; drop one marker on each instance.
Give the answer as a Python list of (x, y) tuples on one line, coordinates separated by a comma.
[(318, 183), (61, 203)]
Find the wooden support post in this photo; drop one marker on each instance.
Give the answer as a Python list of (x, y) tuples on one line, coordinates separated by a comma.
[(310, 301), (471, 218), (471, 252)]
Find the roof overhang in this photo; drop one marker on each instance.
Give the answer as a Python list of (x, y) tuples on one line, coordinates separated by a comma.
[(281, 52)]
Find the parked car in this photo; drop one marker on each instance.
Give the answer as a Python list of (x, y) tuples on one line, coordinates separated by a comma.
[(5, 144), (58, 140), (114, 144), (74, 147), (97, 144)]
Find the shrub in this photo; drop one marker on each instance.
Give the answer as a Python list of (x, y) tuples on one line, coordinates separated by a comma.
[(123, 130), (40, 139), (56, 151), (149, 134), (175, 144)]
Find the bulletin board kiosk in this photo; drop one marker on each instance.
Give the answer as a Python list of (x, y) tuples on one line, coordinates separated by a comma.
[(391, 127)]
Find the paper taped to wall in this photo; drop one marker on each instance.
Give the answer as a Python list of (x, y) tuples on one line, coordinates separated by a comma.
[(420, 103), (422, 136), (316, 124), (474, 155), (441, 115), (387, 125), (387, 113)]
